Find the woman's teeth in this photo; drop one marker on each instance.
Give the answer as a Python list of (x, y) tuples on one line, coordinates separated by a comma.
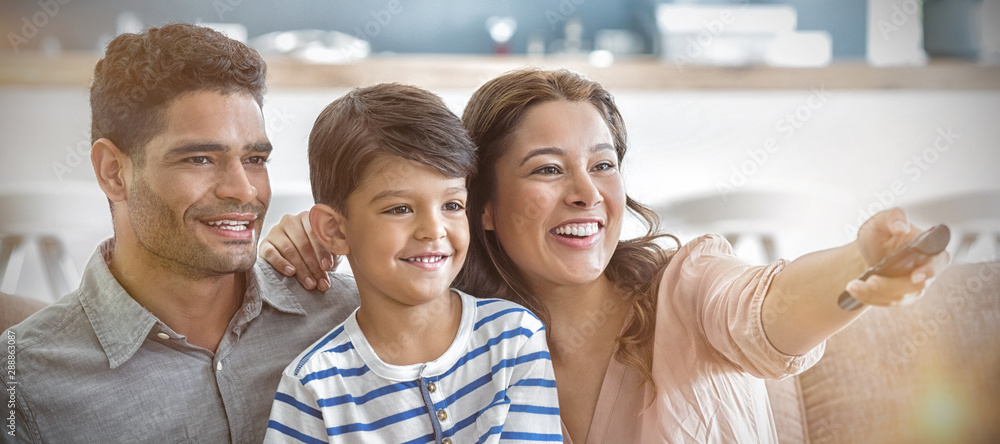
[(234, 225), (426, 259), (580, 230)]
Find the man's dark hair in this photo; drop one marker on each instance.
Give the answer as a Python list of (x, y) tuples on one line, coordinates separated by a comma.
[(141, 74), (384, 119)]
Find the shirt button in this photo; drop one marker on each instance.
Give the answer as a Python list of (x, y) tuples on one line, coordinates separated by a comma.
[(432, 387), (218, 366), (162, 335), (446, 441), (442, 415)]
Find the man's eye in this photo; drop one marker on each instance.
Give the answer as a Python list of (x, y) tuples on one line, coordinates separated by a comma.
[(200, 160), (401, 209), (257, 160)]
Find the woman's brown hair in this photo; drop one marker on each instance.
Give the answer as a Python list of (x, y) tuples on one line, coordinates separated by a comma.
[(492, 117)]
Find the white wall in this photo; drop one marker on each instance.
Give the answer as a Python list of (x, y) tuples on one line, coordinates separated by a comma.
[(848, 146)]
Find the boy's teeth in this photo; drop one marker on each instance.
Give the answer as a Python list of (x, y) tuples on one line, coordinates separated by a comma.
[(581, 230)]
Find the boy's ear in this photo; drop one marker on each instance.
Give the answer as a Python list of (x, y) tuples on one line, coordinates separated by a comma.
[(329, 225), (488, 217), (111, 167)]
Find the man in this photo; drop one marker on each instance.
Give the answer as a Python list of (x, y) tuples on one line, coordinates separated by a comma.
[(175, 335)]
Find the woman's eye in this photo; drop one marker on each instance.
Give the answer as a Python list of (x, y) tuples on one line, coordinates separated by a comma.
[(453, 206), (548, 169), (401, 209), (603, 166)]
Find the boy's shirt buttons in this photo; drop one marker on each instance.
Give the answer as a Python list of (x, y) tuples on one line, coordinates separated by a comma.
[(431, 387), (446, 441), (442, 415)]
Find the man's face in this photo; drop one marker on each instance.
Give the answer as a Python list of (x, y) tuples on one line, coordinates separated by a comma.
[(198, 202)]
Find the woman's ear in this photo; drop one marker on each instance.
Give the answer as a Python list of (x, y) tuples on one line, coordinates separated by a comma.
[(329, 226), (111, 167), (488, 217)]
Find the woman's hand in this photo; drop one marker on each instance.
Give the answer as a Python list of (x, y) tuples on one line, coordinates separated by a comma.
[(292, 249), (879, 237)]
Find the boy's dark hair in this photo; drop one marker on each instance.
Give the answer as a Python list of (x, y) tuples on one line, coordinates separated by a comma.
[(384, 119), (141, 74)]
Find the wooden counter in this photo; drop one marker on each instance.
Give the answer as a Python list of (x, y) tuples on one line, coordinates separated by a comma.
[(468, 72)]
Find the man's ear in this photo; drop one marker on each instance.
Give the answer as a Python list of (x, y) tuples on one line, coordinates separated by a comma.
[(111, 167), (329, 226), (487, 217)]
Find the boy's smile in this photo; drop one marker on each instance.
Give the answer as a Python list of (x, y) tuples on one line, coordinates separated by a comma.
[(406, 231)]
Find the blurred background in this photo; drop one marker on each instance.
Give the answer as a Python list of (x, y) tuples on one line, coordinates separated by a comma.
[(781, 125)]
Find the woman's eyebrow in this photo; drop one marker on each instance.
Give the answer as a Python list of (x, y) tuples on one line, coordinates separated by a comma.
[(541, 152), (602, 147)]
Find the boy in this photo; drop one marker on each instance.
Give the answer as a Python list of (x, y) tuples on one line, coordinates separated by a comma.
[(418, 361)]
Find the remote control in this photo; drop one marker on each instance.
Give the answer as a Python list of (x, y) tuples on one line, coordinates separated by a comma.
[(903, 261)]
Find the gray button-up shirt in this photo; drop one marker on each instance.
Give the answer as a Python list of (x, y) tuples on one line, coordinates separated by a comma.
[(97, 367)]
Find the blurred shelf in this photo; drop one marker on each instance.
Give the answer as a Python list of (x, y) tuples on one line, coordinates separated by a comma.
[(470, 71)]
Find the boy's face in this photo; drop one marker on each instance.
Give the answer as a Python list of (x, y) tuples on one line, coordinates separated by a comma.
[(406, 231)]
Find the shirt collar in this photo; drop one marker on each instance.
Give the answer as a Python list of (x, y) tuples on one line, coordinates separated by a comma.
[(122, 324), (264, 283)]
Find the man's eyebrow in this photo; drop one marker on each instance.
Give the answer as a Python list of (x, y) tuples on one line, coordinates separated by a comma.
[(262, 147), (196, 147), (541, 152), (200, 147)]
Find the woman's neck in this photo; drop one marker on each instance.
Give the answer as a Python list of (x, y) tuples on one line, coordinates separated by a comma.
[(585, 318)]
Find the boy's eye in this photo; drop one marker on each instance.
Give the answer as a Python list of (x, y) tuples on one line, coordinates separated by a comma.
[(547, 169), (453, 206), (399, 209)]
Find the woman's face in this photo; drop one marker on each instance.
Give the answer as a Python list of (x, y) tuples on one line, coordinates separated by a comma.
[(559, 198)]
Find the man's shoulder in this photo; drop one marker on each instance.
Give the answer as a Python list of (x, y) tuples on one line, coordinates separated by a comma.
[(63, 322), (343, 291)]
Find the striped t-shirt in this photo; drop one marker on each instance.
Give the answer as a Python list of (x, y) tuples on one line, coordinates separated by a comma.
[(493, 384)]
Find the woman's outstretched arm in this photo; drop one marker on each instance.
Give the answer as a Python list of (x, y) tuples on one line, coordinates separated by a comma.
[(800, 310)]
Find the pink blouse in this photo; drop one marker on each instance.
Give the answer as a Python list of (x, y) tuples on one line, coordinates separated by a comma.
[(710, 353)]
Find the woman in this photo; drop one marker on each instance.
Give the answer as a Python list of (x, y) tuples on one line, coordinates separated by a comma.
[(648, 344)]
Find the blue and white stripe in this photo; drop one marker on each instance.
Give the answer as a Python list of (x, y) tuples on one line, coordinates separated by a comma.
[(493, 384)]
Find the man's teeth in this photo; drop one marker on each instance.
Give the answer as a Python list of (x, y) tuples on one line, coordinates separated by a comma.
[(427, 259), (234, 225), (582, 230)]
